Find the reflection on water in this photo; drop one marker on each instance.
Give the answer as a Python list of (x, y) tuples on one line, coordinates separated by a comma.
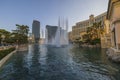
[(43, 62)]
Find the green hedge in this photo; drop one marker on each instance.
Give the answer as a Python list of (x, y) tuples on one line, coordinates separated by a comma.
[(3, 53), (95, 41)]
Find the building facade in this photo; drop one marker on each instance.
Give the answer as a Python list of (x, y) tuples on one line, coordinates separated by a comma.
[(81, 27), (51, 33), (106, 36), (36, 30), (113, 15)]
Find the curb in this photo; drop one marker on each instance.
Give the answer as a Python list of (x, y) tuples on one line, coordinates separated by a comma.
[(2, 61)]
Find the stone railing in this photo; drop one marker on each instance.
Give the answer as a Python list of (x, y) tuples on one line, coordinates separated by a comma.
[(113, 54)]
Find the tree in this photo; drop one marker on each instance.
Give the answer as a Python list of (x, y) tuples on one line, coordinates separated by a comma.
[(21, 33), (94, 32), (5, 33), (22, 29), (89, 33)]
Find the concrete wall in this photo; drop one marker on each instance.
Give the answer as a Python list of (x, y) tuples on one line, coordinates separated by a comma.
[(2, 62)]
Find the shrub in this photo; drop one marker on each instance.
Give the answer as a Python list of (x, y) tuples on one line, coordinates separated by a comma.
[(95, 41), (3, 53)]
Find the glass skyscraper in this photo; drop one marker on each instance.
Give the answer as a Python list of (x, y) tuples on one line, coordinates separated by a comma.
[(36, 30)]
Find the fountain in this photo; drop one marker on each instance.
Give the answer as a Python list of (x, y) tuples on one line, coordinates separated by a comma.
[(60, 35)]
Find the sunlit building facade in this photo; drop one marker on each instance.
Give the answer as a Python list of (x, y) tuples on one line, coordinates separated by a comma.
[(106, 36), (81, 27), (113, 15)]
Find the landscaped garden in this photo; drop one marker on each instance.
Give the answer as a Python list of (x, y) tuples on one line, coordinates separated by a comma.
[(5, 52)]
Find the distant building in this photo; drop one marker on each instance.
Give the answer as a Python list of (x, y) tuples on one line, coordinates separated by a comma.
[(70, 36), (36, 30), (42, 41), (51, 32), (31, 38), (81, 27)]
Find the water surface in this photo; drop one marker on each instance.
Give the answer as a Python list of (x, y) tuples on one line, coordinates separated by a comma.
[(43, 62)]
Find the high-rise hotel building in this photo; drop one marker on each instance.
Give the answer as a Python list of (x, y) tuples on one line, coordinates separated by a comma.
[(36, 30), (81, 27), (50, 33)]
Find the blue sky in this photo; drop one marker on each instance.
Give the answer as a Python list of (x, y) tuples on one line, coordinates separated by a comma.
[(47, 11)]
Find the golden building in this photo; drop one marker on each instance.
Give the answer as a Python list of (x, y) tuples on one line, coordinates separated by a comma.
[(75, 33), (113, 16), (106, 36), (81, 27)]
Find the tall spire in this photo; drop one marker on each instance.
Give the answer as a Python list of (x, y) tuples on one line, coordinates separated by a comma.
[(59, 21), (63, 26)]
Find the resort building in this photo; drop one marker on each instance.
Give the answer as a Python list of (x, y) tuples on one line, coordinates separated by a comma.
[(50, 33), (81, 27), (113, 15), (106, 36)]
